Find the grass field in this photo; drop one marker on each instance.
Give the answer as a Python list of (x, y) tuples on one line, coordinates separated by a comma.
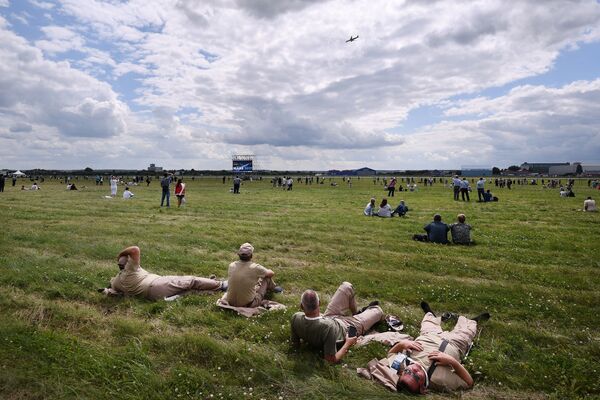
[(535, 268)]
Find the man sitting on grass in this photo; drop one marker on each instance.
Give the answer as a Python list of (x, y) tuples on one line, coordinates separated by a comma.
[(589, 204), (248, 281), (133, 280), (401, 210), (432, 360), (329, 332), (437, 231), (461, 232)]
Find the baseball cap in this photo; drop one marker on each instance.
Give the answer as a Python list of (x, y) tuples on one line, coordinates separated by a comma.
[(246, 249)]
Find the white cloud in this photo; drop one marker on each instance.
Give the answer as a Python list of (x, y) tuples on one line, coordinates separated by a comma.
[(278, 77), (4, 3)]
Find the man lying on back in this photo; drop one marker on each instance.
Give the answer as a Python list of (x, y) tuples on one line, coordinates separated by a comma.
[(133, 280)]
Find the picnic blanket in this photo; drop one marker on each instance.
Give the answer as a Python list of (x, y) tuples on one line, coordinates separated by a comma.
[(265, 305)]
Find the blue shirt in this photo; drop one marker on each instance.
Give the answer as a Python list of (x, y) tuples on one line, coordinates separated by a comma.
[(437, 232)]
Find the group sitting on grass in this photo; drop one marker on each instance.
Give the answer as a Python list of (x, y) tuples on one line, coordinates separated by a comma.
[(385, 210), (437, 231)]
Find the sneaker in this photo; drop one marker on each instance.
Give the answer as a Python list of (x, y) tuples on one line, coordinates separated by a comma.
[(224, 286), (172, 298), (425, 307), (482, 317), (449, 316), (394, 323), (277, 289)]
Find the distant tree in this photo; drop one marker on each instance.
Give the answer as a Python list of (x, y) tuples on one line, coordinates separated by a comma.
[(88, 169), (496, 171), (514, 168)]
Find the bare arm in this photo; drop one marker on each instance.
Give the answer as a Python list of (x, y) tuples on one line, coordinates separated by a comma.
[(459, 369), (406, 345), (269, 273), (133, 252), (334, 359)]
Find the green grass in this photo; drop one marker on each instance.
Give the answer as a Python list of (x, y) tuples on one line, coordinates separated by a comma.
[(535, 268)]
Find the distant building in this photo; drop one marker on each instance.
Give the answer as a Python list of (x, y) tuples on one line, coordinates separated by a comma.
[(560, 170), (154, 168), (476, 171), (540, 168), (589, 169), (352, 172)]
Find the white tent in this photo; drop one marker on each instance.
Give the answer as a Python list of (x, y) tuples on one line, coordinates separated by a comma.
[(18, 174)]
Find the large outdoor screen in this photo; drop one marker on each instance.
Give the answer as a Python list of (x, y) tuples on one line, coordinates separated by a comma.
[(242, 166)]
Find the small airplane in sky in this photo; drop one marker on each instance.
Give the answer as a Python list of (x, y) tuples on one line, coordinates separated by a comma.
[(352, 39)]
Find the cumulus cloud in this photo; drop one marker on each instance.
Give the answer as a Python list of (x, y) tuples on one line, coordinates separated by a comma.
[(53, 94), (284, 81)]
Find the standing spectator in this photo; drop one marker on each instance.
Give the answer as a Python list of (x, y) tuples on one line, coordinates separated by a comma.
[(2, 179), (461, 232), (290, 183), (437, 231), (14, 180), (148, 181), (165, 184), (464, 189), (236, 184), (113, 186), (456, 184), (370, 208), (392, 187), (180, 192), (480, 188), (385, 210)]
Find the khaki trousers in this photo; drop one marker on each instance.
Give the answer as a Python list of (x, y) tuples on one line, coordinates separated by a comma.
[(263, 286), (343, 303), (461, 336), (166, 286)]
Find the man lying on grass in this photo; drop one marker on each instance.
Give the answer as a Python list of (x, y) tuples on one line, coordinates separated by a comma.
[(133, 280), (432, 361), (339, 327)]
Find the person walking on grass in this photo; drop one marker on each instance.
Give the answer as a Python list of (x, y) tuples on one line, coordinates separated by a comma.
[(180, 192), (2, 182), (248, 281), (323, 332), (432, 360), (165, 184), (133, 280)]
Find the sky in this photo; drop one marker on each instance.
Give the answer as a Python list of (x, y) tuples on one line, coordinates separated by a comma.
[(189, 83)]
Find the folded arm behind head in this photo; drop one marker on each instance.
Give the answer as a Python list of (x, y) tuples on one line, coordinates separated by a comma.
[(133, 252)]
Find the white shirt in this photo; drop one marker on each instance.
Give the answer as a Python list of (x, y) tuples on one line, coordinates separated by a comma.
[(591, 205), (368, 210), (127, 194), (385, 211), (480, 183), (464, 184), (456, 181)]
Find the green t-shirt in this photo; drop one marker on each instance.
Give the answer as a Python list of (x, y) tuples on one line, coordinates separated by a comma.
[(321, 333)]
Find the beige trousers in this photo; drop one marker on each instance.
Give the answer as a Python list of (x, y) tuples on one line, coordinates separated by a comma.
[(461, 336), (343, 303), (166, 286)]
